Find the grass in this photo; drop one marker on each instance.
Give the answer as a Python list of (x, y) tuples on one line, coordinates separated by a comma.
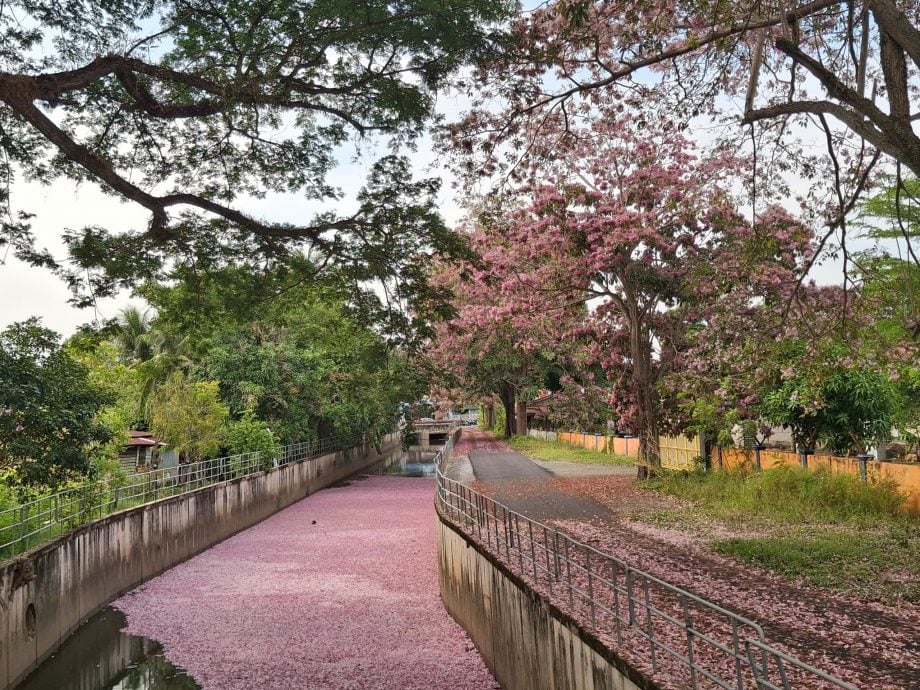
[(554, 450), (830, 530), (786, 495), (881, 564)]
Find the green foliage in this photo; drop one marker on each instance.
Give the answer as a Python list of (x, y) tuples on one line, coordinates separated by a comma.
[(188, 416), (218, 102), (48, 407), (844, 411), (893, 212), (785, 494), (297, 355), (499, 428), (553, 450), (249, 435)]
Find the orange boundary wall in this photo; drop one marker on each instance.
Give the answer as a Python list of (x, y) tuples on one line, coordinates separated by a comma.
[(615, 445), (906, 476)]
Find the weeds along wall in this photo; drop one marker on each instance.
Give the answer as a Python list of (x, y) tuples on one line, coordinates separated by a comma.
[(46, 593), (679, 453)]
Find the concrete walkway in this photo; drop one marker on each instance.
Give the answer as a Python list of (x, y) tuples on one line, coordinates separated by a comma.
[(521, 484), (338, 591)]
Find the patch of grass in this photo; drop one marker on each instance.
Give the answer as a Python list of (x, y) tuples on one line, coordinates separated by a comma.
[(554, 450), (787, 495), (830, 530), (882, 564)]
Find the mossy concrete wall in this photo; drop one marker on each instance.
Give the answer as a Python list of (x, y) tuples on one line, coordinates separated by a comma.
[(48, 592), (527, 642)]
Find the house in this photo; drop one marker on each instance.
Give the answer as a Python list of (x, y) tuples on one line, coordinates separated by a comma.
[(145, 452)]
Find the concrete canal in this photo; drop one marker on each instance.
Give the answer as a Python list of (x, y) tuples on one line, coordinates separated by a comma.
[(340, 590)]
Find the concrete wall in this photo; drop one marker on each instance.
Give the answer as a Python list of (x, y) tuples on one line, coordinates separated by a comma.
[(528, 643), (46, 593)]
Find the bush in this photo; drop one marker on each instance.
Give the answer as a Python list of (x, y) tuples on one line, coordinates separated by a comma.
[(250, 435)]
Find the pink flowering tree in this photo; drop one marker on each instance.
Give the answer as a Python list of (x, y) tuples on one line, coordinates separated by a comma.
[(626, 219), (503, 335)]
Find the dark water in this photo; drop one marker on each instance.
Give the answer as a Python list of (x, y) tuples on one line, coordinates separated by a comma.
[(408, 464), (98, 656)]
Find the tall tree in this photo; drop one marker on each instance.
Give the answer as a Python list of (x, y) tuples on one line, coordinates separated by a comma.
[(184, 107), (48, 408), (502, 335), (624, 217)]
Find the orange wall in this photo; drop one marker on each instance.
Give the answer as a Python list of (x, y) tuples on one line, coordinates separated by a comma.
[(615, 445), (906, 476)]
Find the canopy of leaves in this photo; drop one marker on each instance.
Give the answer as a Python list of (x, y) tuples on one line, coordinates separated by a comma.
[(188, 107), (48, 407)]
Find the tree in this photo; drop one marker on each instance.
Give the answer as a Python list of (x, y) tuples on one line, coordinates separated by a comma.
[(767, 77), (133, 335), (502, 336), (48, 407), (291, 351), (630, 220), (189, 416), (183, 107), (850, 408)]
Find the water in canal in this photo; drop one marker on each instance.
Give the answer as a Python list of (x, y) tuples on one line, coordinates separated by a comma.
[(99, 656), (410, 463)]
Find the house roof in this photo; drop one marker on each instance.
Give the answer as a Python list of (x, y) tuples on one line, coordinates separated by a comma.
[(143, 438), (142, 441)]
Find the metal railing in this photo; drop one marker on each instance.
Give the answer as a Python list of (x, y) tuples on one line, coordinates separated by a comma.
[(35, 522), (680, 639)]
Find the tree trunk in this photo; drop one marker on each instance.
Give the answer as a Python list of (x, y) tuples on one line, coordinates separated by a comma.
[(488, 414), (506, 394), (644, 391), (521, 417)]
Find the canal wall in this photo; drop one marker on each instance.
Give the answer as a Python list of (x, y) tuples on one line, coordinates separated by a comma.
[(48, 592), (527, 642)]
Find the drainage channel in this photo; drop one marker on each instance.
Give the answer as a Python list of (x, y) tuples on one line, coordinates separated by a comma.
[(101, 656)]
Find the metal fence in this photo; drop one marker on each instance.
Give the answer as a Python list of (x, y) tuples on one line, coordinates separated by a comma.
[(680, 639), (30, 524)]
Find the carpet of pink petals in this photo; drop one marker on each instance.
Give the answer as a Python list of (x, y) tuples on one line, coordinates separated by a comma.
[(483, 442), (338, 591)]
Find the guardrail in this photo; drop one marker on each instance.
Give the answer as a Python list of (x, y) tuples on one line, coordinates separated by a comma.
[(30, 524), (680, 639)]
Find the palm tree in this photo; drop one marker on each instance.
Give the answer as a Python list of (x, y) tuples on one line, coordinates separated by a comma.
[(134, 336)]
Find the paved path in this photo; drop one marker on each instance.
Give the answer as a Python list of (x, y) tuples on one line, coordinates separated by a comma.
[(521, 484), (338, 591), (871, 645)]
